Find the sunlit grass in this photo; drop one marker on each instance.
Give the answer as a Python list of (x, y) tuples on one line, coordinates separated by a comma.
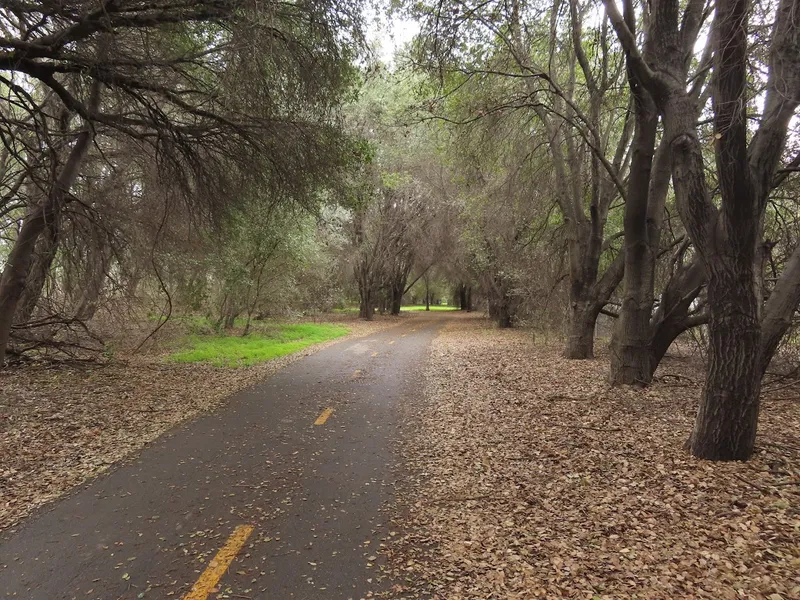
[(266, 344), (433, 307)]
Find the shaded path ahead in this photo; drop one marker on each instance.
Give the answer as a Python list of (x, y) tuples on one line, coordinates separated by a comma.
[(293, 507)]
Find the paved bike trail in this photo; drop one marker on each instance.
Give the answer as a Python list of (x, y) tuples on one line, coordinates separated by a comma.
[(297, 508)]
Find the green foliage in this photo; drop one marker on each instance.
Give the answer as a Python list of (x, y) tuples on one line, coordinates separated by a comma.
[(270, 341)]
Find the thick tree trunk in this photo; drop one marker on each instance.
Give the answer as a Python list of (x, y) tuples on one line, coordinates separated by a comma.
[(492, 305), (397, 301), (586, 301), (366, 311), (505, 319), (15, 274), (580, 332), (396, 304), (725, 428)]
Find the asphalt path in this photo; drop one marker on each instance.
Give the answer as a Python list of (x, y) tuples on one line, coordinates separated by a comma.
[(278, 494)]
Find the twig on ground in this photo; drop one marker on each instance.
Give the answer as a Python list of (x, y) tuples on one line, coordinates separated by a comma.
[(760, 488)]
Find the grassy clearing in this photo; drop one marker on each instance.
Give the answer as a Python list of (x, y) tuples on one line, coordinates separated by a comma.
[(433, 307), (266, 344)]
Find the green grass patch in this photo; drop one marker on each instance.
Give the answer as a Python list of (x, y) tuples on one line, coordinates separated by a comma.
[(433, 307), (266, 344)]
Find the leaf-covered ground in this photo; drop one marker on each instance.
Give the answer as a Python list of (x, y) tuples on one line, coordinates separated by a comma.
[(60, 425), (532, 478)]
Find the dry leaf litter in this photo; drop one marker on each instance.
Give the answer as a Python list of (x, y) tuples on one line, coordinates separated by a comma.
[(533, 478)]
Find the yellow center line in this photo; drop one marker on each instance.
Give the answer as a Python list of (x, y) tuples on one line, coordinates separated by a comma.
[(324, 416), (219, 565)]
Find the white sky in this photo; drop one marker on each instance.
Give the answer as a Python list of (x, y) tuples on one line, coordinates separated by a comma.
[(387, 36)]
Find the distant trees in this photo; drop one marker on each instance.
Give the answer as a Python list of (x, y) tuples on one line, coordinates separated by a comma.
[(401, 215)]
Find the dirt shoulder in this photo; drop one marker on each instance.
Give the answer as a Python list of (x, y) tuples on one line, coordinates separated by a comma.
[(60, 426), (535, 479)]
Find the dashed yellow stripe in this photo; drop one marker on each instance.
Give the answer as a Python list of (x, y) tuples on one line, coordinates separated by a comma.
[(324, 416), (219, 565)]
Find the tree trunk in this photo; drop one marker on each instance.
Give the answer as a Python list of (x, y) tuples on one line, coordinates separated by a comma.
[(230, 320), (366, 310), (779, 310), (580, 332), (672, 316), (397, 291), (41, 263), (98, 257), (725, 428), (427, 297), (18, 267), (469, 299), (492, 305), (462, 297), (93, 287), (366, 307), (586, 301), (504, 316), (630, 347)]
